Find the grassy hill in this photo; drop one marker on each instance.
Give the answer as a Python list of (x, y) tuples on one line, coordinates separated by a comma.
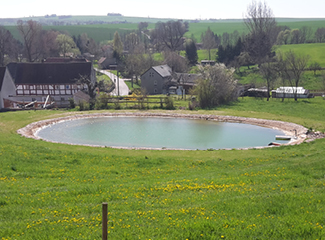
[(104, 32), (55, 191), (316, 51)]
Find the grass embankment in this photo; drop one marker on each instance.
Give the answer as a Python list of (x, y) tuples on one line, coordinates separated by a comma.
[(55, 191)]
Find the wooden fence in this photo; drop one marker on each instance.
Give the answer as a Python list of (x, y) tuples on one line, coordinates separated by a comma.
[(135, 102)]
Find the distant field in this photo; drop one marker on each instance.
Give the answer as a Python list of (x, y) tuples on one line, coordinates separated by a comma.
[(103, 32), (316, 51)]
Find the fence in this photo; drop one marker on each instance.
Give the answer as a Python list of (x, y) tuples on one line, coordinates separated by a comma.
[(134, 102)]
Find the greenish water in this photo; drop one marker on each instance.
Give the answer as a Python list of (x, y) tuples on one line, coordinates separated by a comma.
[(136, 132)]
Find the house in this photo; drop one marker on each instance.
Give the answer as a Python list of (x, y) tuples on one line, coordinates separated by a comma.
[(107, 63), (161, 80), (23, 83), (187, 81), (6, 85), (157, 80)]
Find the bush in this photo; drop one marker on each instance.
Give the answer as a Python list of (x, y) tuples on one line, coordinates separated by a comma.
[(72, 103), (83, 106), (217, 86), (169, 101)]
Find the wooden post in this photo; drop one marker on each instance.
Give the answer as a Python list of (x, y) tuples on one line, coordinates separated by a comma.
[(161, 103), (104, 223)]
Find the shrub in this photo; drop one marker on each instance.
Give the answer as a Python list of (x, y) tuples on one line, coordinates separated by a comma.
[(217, 86), (169, 101)]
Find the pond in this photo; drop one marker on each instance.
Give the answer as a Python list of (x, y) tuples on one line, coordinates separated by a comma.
[(159, 133)]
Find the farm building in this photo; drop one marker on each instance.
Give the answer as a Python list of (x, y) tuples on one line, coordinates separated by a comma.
[(162, 80), (289, 92), (22, 83)]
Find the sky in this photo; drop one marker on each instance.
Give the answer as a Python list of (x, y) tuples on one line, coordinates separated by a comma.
[(179, 9)]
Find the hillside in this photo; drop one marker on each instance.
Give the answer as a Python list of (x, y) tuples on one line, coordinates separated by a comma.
[(102, 28)]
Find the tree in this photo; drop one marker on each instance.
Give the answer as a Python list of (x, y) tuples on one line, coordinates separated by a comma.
[(142, 26), (175, 61), (191, 52), (216, 86), (262, 28), (229, 53), (90, 89), (315, 66), (269, 70), (283, 37), (86, 44), (136, 63), (170, 34), (66, 45), (292, 68), (7, 44), (306, 33), (117, 46), (320, 35), (209, 41), (30, 32), (38, 43), (131, 42)]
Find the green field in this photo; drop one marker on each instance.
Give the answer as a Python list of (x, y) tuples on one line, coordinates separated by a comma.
[(55, 191), (316, 51), (104, 32)]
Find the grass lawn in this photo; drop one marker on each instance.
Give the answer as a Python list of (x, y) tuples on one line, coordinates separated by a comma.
[(316, 51), (129, 84), (55, 191)]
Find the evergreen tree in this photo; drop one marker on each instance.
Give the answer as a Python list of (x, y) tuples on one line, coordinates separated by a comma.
[(117, 46), (191, 52)]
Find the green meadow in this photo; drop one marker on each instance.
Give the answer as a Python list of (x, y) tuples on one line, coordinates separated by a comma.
[(104, 32), (55, 191), (315, 51)]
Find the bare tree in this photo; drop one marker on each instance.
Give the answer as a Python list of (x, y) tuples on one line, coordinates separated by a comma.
[(292, 68), (175, 61), (269, 70), (320, 35), (170, 34), (261, 24), (7, 43), (30, 32)]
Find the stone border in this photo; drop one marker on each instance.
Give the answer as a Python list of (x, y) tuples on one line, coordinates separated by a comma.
[(291, 129)]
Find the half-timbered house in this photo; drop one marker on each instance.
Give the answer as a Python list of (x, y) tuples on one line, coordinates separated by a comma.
[(28, 82)]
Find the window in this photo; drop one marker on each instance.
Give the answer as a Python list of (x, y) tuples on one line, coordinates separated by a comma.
[(155, 83), (151, 74)]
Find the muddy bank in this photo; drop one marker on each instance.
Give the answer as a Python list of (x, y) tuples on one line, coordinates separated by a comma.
[(299, 132)]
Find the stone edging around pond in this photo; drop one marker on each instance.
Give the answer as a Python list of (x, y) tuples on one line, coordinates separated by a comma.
[(291, 129)]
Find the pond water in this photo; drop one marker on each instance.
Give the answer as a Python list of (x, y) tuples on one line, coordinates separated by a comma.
[(175, 133)]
